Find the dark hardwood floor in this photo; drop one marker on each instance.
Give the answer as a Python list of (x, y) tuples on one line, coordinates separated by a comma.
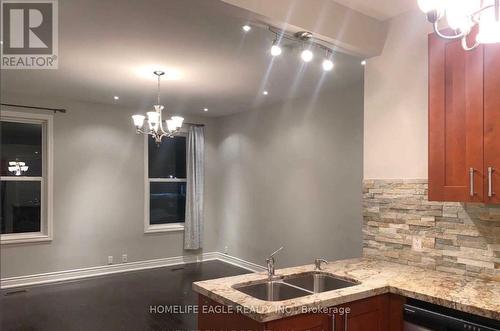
[(115, 302)]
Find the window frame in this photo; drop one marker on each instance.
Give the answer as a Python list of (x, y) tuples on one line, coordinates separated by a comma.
[(155, 228), (46, 180)]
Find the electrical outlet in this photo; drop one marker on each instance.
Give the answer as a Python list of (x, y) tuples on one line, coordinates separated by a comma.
[(110, 259), (226, 249), (124, 258), (416, 244)]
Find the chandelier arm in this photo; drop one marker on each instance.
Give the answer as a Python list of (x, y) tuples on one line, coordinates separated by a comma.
[(466, 46), (143, 131), (497, 10), (161, 122), (440, 34), (480, 10), (162, 129)]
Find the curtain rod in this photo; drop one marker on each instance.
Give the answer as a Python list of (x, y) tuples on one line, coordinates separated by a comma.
[(194, 124), (55, 110), (61, 110)]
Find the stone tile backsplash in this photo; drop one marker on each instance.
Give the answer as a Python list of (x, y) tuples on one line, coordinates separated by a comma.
[(401, 225)]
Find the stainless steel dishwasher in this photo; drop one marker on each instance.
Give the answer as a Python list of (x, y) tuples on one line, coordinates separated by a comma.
[(422, 316)]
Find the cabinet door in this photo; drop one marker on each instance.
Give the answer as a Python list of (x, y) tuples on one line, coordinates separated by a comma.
[(492, 122), (304, 322), (456, 171), (365, 315)]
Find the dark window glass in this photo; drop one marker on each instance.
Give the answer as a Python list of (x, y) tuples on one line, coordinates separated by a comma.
[(21, 142), (168, 160), (167, 202), (20, 202)]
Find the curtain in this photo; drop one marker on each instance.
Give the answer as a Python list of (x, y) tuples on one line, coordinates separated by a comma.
[(193, 227)]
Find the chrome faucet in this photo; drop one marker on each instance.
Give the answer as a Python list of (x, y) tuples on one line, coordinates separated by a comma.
[(317, 263), (270, 264)]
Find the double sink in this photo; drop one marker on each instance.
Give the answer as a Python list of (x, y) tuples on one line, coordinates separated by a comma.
[(295, 286)]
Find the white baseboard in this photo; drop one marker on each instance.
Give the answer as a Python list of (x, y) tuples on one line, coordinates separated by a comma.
[(59, 276), (239, 262)]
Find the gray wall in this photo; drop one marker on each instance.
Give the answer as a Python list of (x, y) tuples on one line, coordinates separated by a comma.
[(287, 174), (291, 175), (99, 195)]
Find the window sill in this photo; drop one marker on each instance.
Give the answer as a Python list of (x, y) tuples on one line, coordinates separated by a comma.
[(173, 227), (23, 238)]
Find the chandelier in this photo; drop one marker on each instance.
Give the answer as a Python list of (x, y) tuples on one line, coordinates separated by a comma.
[(462, 17), (17, 168), (154, 126)]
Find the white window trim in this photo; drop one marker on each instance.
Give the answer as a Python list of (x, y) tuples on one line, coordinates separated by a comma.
[(46, 180), (148, 228)]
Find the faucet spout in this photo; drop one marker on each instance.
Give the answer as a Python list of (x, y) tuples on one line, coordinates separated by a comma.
[(270, 264), (317, 263)]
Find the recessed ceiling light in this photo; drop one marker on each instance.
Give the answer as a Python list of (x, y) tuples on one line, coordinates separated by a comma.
[(363, 63), (205, 109), (265, 92), (246, 27), (116, 97)]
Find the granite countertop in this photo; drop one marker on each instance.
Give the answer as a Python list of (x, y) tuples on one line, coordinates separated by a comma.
[(480, 297)]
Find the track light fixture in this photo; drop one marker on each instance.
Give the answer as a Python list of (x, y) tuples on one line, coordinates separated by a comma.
[(308, 44)]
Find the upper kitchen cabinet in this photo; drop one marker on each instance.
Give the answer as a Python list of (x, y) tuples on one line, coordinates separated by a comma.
[(464, 122), (492, 122)]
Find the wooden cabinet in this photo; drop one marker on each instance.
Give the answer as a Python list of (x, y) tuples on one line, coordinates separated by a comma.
[(304, 322), (379, 313), (464, 115), (365, 315), (492, 122), (455, 121), (213, 316)]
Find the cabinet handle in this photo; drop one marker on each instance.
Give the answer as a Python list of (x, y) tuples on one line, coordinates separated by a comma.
[(490, 182), (333, 322), (471, 178), (345, 322)]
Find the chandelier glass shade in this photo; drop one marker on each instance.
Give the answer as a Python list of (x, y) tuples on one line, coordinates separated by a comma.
[(462, 16), (154, 119)]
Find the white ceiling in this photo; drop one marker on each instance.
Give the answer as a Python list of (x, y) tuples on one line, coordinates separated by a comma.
[(380, 9), (111, 47)]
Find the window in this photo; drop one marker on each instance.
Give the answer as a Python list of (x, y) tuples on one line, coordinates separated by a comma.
[(25, 177), (165, 184)]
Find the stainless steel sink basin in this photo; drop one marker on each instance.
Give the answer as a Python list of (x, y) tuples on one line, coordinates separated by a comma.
[(318, 282), (273, 291)]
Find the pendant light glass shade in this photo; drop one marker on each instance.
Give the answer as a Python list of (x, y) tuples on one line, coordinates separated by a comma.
[(153, 117), (138, 120), (171, 125), (428, 5), (178, 121), (458, 11)]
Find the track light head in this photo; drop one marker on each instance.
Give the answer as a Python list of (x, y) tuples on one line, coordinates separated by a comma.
[(307, 55), (327, 64), (275, 48)]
